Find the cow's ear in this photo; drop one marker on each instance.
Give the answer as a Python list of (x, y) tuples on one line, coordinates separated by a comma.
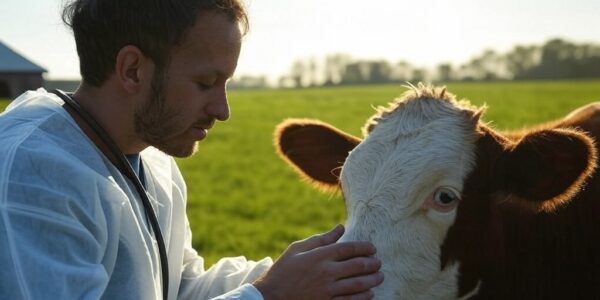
[(546, 168), (315, 149)]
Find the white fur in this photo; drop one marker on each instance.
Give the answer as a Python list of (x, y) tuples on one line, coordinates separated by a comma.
[(422, 145)]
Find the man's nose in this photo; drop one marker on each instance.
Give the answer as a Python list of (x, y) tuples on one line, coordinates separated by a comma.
[(219, 106)]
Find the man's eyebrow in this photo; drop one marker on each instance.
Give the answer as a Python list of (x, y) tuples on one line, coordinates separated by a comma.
[(217, 74)]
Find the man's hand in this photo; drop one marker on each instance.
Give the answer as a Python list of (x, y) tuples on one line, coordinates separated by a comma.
[(318, 268)]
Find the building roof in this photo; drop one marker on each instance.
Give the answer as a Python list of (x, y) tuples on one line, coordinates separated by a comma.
[(13, 62)]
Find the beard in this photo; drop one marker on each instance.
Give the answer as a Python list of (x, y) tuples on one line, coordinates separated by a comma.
[(160, 126)]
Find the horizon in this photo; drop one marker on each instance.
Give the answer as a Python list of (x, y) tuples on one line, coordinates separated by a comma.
[(282, 31)]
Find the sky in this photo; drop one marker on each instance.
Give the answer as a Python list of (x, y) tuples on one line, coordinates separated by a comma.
[(424, 33)]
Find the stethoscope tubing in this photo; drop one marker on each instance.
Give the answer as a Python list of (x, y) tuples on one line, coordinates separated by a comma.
[(125, 169)]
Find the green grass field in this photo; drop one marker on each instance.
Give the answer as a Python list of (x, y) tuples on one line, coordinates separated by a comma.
[(244, 200)]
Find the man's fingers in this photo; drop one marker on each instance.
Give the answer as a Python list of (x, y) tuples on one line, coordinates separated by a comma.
[(345, 250), (318, 240), (356, 285), (355, 266)]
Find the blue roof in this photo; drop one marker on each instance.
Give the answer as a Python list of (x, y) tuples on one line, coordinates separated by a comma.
[(11, 61)]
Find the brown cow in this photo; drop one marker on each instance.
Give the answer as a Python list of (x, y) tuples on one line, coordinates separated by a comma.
[(458, 209)]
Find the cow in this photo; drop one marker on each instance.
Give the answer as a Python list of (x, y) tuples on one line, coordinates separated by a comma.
[(458, 209)]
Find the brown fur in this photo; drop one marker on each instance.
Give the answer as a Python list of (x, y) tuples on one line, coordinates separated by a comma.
[(316, 154), (519, 249)]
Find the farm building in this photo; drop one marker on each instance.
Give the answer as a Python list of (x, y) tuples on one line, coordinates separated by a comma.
[(17, 73)]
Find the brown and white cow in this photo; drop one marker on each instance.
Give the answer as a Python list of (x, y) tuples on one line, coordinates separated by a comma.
[(457, 209)]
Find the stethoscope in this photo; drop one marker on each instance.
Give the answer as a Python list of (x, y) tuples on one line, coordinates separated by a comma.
[(125, 168)]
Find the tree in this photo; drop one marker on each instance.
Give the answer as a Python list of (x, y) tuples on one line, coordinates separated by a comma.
[(298, 72), (378, 71), (445, 72), (401, 71), (312, 72), (487, 66), (335, 65), (418, 75), (353, 74), (521, 60)]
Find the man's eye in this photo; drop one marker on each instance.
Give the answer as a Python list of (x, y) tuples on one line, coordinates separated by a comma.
[(204, 86)]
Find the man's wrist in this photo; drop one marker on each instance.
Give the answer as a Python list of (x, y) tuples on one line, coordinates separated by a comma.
[(265, 289)]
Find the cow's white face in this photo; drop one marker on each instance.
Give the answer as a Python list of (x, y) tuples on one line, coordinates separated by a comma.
[(402, 185)]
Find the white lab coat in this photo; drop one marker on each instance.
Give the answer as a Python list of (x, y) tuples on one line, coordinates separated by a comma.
[(72, 227)]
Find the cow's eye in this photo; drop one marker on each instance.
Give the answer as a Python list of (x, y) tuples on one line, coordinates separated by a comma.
[(445, 196)]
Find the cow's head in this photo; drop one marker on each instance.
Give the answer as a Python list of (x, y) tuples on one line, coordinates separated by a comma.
[(423, 160)]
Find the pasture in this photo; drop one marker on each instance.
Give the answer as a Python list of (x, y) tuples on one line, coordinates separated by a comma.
[(244, 200)]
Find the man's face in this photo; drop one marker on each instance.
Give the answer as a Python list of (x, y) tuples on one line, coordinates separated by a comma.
[(186, 100)]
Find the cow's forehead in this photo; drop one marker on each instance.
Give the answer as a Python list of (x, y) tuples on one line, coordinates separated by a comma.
[(420, 141), (423, 102)]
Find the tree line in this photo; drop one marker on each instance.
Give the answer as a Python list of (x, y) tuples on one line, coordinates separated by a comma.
[(555, 59)]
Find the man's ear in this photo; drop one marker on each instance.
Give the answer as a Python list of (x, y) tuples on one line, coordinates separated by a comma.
[(132, 68), (315, 149), (547, 168)]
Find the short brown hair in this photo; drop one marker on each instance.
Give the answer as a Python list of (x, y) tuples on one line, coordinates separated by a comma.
[(102, 27)]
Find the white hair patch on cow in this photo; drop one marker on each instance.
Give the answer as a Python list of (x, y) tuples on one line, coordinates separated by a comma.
[(399, 184)]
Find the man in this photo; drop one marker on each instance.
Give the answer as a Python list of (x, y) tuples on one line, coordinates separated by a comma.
[(72, 225)]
